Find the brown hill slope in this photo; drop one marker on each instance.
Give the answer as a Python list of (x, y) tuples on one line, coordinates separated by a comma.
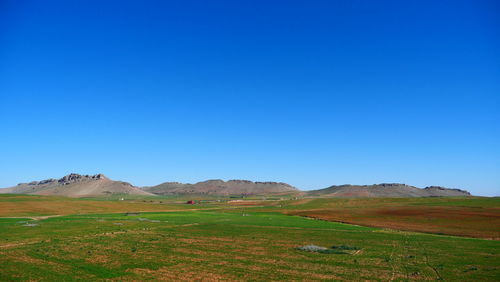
[(391, 190), (220, 187), (76, 185)]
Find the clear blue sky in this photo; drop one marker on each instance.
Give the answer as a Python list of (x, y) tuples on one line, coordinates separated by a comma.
[(312, 93)]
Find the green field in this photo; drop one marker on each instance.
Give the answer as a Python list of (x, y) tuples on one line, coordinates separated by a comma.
[(223, 242)]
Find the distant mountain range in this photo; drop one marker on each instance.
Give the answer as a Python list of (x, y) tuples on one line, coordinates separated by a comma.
[(76, 185)]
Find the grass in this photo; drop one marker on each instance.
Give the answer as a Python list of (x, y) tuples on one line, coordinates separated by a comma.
[(217, 242), (30, 205)]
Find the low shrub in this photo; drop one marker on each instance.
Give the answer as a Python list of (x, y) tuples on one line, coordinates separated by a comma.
[(342, 249), (346, 247)]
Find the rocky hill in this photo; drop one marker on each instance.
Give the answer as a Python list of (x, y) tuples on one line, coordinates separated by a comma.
[(220, 187), (392, 190), (76, 185)]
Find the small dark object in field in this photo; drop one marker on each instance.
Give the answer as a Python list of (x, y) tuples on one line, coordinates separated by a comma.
[(343, 249), (319, 249), (472, 268), (132, 213), (333, 251), (346, 247)]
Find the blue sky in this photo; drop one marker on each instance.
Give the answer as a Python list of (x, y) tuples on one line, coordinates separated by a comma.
[(312, 93)]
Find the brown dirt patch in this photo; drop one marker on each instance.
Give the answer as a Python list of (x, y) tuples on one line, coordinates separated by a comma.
[(458, 221)]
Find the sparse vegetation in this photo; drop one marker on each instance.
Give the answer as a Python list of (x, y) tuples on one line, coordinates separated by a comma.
[(217, 243)]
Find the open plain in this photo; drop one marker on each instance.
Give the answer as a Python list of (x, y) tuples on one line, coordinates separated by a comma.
[(45, 238)]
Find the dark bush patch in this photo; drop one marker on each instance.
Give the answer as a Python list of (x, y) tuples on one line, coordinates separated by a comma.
[(333, 251), (346, 247), (342, 249)]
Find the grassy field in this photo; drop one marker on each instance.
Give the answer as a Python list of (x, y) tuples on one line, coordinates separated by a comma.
[(32, 205), (227, 241)]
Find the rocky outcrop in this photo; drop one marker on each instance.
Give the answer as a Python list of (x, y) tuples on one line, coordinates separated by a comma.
[(74, 177), (65, 180), (442, 191)]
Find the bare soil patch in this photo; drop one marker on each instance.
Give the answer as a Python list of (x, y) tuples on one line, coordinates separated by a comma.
[(458, 221)]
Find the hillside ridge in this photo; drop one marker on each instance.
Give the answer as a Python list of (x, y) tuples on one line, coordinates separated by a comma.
[(386, 190), (221, 187), (77, 185)]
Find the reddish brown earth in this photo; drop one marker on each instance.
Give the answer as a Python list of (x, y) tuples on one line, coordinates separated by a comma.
[(459, 221)]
